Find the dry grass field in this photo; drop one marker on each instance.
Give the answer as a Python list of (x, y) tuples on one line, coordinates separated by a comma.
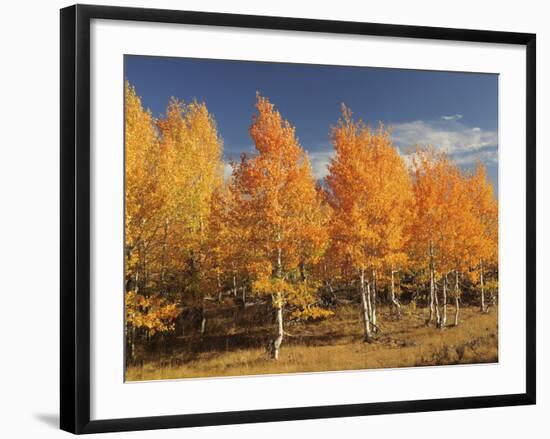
[(329, 345)]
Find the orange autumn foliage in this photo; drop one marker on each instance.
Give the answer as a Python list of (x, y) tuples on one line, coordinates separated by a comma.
[(370, 194), (154, 313), (456, 212), (278, 207)]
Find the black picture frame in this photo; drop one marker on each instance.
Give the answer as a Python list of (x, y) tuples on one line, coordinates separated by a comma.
[(75, 217)]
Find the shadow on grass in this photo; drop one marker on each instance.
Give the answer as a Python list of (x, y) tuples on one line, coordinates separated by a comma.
[(187, 349)]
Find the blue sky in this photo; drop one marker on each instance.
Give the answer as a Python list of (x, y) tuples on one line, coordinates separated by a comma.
[(457, 112)]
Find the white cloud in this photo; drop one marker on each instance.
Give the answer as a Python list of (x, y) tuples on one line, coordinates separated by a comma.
[(459, 139), (452, 117), (227, 171), (464, 144), (319, 162), (488, 157)]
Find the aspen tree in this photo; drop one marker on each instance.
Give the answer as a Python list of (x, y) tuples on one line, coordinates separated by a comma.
[(279, 211), (441, 226), (370, 208), (143, 199), (485, 211), (192, 171)]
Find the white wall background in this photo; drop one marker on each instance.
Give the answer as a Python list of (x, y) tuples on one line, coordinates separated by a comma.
[(29, 206)]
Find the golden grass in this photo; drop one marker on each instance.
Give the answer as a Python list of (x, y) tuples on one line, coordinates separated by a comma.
[(336, 344)]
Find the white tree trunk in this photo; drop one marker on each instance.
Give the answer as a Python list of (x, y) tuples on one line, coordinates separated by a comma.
[(436, 304), (276, 346), (203, 319), (365, 308), (368, 300), (481, 282), (432, 298), (457, 299), (432, 292), (279, 272), (395, 303), (280, 329), (373, 303), (444, 303)]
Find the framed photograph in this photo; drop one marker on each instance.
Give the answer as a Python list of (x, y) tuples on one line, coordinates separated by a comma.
[(268, 219)]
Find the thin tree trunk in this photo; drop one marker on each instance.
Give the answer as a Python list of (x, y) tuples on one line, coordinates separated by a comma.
[(481, 282), (432, 298), (220, 290), (444, 304), (365, 308), (234, 286), (164, 256), (436, 304), (280, 329), (276, 344), (431, 316), (369, 302), (133, 342), (145, 275), (203, 324), (373, 302), (133, 331), (203, 318), (395, 303), (457, 299)]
